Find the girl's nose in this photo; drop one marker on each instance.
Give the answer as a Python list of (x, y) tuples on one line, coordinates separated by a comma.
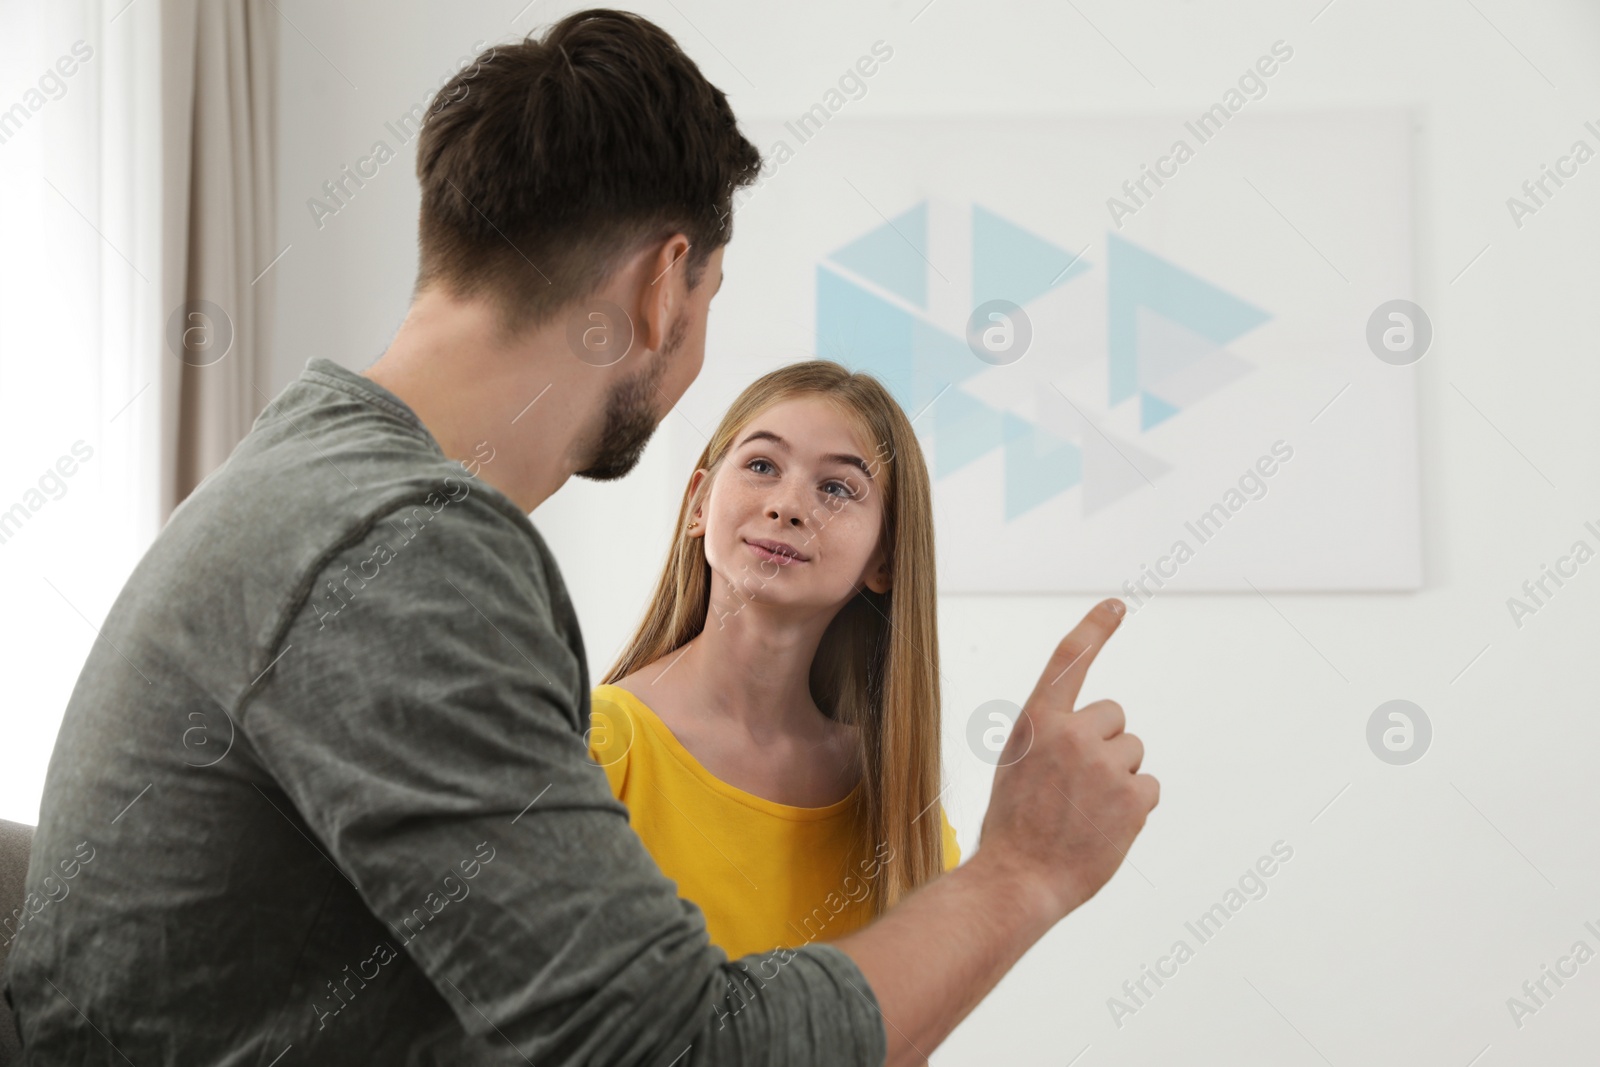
[(789, 513)]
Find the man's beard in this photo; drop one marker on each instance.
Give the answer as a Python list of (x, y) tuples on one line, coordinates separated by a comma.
[(630, 415)]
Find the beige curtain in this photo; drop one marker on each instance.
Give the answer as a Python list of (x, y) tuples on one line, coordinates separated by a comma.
[(218, 146)]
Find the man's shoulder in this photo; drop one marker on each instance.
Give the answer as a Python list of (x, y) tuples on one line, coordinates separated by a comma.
[(322, 462), (284, 501), (321, 476)]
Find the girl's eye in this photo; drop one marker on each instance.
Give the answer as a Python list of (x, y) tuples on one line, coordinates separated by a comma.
[(848, 493)]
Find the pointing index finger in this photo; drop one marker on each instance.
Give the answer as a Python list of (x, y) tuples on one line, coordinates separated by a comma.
[(1069, 664)]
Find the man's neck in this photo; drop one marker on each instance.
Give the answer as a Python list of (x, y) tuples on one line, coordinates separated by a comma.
[(525, 402)]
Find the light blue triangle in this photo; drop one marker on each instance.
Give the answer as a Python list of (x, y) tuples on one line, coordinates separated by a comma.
[(1152, 409), (866, 333), (964, 430), (1137, 278), (913, 359), (893, 255), (940, 360), (1010, 263), (1039, 466)]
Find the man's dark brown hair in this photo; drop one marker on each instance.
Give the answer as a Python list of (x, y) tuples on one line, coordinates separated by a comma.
[(546, 163)]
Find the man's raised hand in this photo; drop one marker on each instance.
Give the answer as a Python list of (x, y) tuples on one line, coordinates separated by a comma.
[(1068, 798)]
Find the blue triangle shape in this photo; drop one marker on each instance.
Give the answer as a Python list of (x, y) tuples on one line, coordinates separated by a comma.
[(867, 333), (914, 360), (940, 360), (1039, 466), (964, 429), (893, 255), (1152, 410), (1137, 278), (1010, 263)]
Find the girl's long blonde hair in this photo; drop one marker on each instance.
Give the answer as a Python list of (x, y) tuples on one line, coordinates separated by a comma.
[(877, 666)]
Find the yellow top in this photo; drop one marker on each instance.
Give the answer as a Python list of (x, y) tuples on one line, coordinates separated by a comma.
[(766, 875)]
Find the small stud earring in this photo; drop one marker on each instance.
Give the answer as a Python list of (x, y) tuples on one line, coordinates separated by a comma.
[(693, 524)]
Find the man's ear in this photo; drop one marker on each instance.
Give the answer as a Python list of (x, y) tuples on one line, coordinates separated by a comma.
[(660, 293)]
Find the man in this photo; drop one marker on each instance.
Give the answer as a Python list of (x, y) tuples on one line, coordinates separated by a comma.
[(322, 793)]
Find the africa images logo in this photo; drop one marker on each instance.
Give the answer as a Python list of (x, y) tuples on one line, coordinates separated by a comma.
[(931, 344)]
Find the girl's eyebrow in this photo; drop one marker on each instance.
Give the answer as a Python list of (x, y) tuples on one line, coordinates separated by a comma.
[(836, 457)]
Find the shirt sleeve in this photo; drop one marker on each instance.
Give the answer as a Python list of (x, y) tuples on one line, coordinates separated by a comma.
[(612, 732), (952, 850), (428, 716)]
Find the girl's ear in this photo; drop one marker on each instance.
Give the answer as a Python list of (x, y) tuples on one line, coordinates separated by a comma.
[(697, 515), (878, 573)]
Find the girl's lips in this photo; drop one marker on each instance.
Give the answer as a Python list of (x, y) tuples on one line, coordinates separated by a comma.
[(775, 557)]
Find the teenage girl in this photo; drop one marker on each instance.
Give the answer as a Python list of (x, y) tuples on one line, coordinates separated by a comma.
[(773, 724)]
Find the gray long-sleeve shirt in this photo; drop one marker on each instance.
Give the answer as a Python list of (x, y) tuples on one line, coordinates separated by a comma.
[(322, 796)]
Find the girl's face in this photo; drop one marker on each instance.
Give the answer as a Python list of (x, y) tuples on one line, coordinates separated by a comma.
[(800, 475)]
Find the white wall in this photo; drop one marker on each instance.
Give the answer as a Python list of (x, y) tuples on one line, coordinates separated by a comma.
[(1424, 896)]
